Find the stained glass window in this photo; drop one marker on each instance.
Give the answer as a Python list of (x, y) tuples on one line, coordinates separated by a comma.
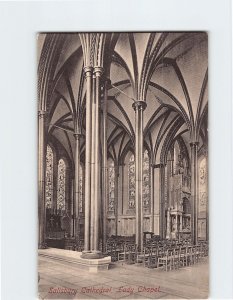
[(146, 180), (49, 178), (111, 185), (61, 187), (131, 172), (81, 189)]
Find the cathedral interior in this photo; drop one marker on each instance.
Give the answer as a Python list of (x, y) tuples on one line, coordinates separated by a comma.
[(123, 143)]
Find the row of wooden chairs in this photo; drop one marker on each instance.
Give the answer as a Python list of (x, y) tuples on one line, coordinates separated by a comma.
[(119, 247), (168, 243), (169, 258), (173, 258), (179, 257), (157, 253)]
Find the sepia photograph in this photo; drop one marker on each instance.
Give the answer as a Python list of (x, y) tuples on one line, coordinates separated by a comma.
[(123, 210)]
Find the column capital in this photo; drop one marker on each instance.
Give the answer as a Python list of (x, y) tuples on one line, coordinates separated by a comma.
[(194, 144), (77, 136), (158, 166), (88, 71), (98, 71), (139, 105), (41, 113)]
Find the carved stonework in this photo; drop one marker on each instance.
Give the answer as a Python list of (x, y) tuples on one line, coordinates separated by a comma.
[(180, 204), (41, 114), (177, 180), (202, 198), (202, 174), (139, 105), (202, 188)]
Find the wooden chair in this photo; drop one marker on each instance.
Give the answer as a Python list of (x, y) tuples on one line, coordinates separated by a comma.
[(190, 255), (176, 258), (152, 260), (196, 254), (166, 261), (183, 256), (141, 257), (129, 253)]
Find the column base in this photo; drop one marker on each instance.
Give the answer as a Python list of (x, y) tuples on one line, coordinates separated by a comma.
[(43, 245), (74, 259), (94, 254)]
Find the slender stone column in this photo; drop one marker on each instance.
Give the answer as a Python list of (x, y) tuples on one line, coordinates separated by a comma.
[(157, 199), (98, 72), (170, 185), (93, 140), (88, 75), (152, 197), (73, 209), (139, 107), (162, 199), (105, 167), (116, 198), (168, 233), (41, 178), (172, 167), (176, 223), (76, 188), (168, 170), (194, 190), (181, 223)]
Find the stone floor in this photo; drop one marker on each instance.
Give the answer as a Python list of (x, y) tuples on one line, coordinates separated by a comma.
[(122, 281)]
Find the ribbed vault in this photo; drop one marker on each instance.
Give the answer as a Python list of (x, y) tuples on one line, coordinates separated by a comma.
[(167, 70)]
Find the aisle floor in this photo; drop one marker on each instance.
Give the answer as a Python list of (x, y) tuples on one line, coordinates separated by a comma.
[(122, 281)]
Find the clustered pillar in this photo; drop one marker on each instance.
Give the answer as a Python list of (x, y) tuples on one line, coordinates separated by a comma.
[(92, 163), (76, 188), (88, 75), (104, 164), (139, 107)]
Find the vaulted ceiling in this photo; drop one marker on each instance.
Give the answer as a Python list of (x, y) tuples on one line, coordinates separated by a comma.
[(167, 70)]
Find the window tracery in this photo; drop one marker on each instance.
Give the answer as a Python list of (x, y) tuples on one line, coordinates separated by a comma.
[(111, 185), (49, 178), (81, 204), (146, 180), (131, 175)]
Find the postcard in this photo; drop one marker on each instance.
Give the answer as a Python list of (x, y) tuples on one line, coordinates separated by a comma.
[(123, 165)]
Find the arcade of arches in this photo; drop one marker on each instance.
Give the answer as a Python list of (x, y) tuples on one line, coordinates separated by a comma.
[(122, 137)]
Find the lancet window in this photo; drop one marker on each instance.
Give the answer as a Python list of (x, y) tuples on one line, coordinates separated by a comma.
[(49, 178), (111, 185), (61, 186)]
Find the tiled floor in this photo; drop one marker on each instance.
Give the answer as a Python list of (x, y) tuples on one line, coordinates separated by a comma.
[(121, 281)]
